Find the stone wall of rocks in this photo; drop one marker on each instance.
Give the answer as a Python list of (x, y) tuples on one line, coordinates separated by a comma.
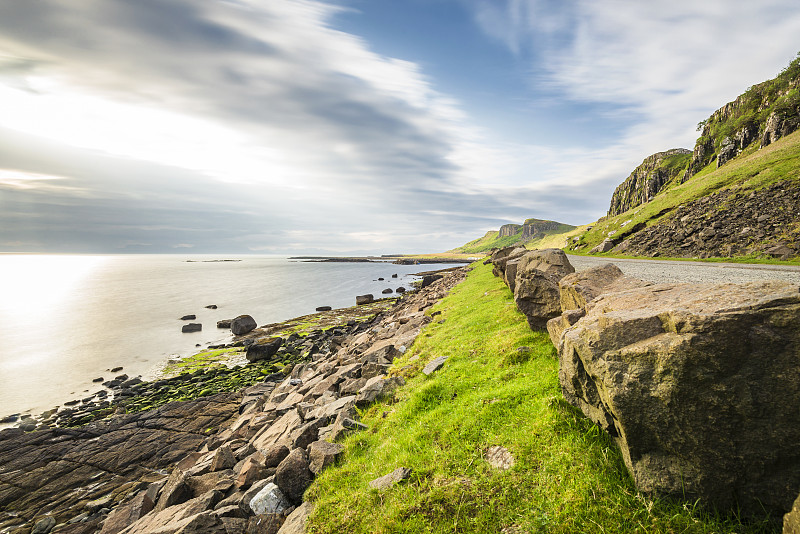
[(698, 384)]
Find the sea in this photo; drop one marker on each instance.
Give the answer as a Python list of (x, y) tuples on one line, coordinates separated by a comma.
[(67, 319)]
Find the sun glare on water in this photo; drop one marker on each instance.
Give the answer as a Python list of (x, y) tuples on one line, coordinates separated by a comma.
[(33, 285)]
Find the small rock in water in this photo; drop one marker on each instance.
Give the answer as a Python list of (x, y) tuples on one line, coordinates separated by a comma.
[(10, 419), (98, 379), (324, 308), (394, 276), (225, 323), (386, 291), (242, 325), (212, 306), (116, 369), (192, 327), (400, 289), (380, 279), (364, 299), (189, 317), (198, 345)]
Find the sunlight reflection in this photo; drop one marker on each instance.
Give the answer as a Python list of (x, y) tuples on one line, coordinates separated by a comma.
[(31, 285)]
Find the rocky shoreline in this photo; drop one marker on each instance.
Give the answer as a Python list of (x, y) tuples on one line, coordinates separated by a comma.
[(230, 460)]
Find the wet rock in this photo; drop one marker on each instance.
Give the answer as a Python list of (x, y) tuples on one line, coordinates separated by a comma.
[(387, 291), (323, 308), (191, 327), (188, 317), (263, 349), (242, 325), (224, 323), (212, 307)]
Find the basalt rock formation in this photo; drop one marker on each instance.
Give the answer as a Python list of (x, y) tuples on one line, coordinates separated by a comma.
[(649, 179)]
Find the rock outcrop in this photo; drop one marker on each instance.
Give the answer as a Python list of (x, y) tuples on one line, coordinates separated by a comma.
[(507, 230), (698, 384), (648, 179)]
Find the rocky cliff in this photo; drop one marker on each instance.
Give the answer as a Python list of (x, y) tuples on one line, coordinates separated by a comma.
[(514, 234), (764, 113), (649, 179)]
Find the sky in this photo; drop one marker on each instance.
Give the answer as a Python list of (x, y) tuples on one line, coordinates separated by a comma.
[(349, 126)]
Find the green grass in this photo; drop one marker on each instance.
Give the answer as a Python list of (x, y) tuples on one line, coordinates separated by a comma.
[(568, 476), (752, 170)]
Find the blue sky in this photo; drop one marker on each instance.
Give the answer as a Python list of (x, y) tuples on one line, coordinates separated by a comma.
[(349, 126)]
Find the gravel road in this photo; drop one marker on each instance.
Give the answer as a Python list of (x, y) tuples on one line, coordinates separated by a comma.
[(661, 271)]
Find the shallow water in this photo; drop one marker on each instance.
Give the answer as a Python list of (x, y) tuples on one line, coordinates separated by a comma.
[(67, 319)]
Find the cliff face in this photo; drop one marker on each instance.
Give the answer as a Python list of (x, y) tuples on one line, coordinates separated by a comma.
[(648, 179), (536, 228), (764, 113), (509, 229)]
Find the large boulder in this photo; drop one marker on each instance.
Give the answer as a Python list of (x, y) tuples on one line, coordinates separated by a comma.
[(242, 325), (536, 285), (699, 384)]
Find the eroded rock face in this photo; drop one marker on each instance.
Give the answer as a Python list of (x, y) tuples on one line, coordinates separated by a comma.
[(699, 385)]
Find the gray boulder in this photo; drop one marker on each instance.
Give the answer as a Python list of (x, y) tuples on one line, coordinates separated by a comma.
[(536, 285), (242, 325), (387, 481), (270, 500), (699, 385), (191, 327), (322, 454)]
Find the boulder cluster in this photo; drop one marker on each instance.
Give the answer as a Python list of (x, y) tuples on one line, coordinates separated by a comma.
[(698, 384), (725, 224), (229, 463)]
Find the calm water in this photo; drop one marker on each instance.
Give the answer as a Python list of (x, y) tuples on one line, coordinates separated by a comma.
[(67, 319)]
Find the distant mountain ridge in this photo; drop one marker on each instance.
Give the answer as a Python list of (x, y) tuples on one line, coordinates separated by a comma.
[(514, 234)]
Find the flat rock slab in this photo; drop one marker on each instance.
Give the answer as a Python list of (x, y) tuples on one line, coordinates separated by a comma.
[(434, 365), (88, 462), (387, 481)]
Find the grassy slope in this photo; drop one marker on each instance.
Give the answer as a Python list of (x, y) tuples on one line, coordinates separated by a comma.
[(568, 477), (751, 170)]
